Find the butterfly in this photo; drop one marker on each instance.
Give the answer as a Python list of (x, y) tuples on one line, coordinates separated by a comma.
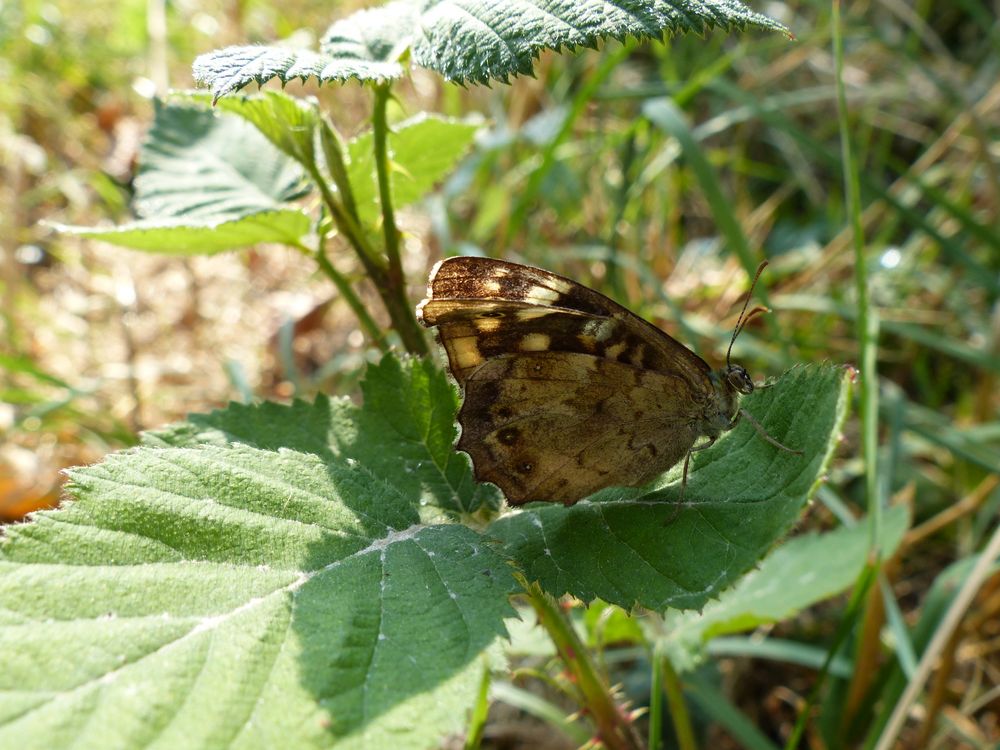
[(566, 392)]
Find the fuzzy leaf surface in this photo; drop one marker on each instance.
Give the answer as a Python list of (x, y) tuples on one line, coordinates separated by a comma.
[(475, 41), (639, 546), (232, 596), (232, 68), (403, 434), (467, 41), (365, 46)]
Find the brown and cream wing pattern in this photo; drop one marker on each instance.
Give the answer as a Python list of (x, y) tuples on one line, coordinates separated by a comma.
[(484, 307)]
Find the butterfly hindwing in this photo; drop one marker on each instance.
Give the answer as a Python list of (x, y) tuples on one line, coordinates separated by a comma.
[(558, 426)]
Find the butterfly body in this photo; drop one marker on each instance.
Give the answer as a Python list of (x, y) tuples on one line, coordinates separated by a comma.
[(565, 391)]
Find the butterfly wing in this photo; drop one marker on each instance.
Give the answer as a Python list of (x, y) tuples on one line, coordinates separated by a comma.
[(565, 391), (558, 426)]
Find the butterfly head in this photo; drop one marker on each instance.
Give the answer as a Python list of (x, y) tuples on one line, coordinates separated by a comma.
[(738, 379)]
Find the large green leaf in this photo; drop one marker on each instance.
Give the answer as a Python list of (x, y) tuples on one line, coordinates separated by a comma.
[(640, 547), (195, 163), (403, 435), (480, 40), (806, 570), (225, 595), (424, 150), (467, 41), (208, 183)]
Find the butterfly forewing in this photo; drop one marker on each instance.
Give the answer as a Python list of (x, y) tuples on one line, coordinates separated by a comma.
[(466, 297)]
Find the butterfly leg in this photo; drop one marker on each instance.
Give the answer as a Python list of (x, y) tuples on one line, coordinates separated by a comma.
[(684, 477), (687, 460), (763, 433)]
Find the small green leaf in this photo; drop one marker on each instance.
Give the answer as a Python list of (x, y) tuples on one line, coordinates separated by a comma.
[(403, 434), (365, 46), (209, 183), (231, 68), (382, 33), (287, 122), (639, 547), (797, 574), (204, 236), (475, 41), (211, 597), (424, 150)]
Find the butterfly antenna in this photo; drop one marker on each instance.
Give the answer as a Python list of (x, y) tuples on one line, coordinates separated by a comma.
[(744, 319)]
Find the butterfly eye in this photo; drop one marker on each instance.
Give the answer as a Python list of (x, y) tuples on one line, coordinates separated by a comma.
[(739, 379)]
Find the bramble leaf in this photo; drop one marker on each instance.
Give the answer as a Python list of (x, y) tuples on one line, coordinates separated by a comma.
[(467, 41), (403, 434), (638, 546), (208, 183), (229, 595), (799, 573), (475, 41)]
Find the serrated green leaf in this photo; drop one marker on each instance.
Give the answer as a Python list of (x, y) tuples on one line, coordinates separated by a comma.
[(231, 68), (209, 597), (382, 33), (195, 163), (204, 236), (288, 122), (423, 151), (467, 41), (293, 125), (365, 46), (208, 183), (797, 574), (475, 41), (638, 547), (403, 434)]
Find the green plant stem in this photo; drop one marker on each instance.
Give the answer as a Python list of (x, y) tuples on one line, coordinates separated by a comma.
[(613, 727), (393, 295), (477, 722), (375, 266), (866, 323), (347, 293), (333, 150), (380, 135), (404, 319), (674, 692), (655, 740)]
